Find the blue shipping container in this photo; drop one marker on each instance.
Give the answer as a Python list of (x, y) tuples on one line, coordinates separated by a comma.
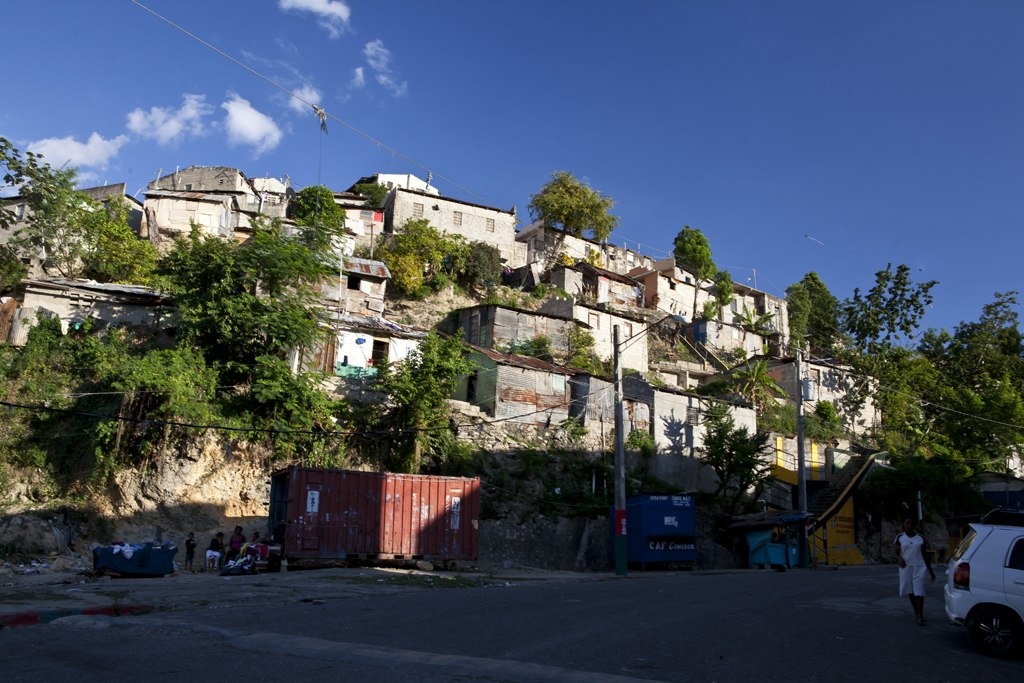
[(661, 529)]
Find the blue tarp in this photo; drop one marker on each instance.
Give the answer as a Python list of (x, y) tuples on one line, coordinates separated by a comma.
[(145, 560)]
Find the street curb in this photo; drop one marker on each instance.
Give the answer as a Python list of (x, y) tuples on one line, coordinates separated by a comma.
[(34, 618)]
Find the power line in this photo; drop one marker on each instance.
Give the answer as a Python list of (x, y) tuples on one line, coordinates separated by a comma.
[(321, 113)]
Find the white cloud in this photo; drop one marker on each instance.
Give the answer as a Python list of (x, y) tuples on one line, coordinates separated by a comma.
[(246, 126), (396, 89), (379, 59), (332, 15), (377, 56), (96, 151), (358, 78), (168, 126), (308, 93)]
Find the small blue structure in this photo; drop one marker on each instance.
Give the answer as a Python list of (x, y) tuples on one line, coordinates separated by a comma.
[(661, 530), (771, 539), (764, 551)]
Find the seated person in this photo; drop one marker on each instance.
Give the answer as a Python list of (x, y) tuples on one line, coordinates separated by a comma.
[(215, 550), (256, 547), (235, 544)]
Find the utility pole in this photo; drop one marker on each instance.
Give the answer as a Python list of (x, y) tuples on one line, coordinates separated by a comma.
[(801, 473), (621, 560)]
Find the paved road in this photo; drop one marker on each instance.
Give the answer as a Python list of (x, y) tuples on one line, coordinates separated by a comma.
[(364, 625)]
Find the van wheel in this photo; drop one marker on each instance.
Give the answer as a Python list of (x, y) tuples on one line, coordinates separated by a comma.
[(994, 631)]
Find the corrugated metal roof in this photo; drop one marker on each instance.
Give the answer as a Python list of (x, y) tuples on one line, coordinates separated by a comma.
[(527, 362), (583, 266), (198, 196), (93, 286), (367, 267), (361, 322), (524, 311)]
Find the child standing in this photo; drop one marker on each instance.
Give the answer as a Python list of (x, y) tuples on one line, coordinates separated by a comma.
[(190, 551)]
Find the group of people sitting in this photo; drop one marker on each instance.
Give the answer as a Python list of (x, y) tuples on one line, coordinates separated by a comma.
[(217, 554)]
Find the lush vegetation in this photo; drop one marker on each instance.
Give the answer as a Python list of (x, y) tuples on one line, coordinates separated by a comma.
[(248, 320), (423, 260), (89, 400), (951, 402)]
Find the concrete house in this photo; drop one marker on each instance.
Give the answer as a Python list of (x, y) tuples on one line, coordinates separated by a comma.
[(221, 200), (517, 388), (824, 381), (671, 289), (76, 301), (359, 289), (360, 346), (551, 247), (598, 286), (632, 331), (672, 417), (502, 328), (474, 222), (171, 213), (365, 225), (393, 181), (751, 304)]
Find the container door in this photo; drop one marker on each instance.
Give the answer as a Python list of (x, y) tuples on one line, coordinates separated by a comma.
[(453, 523), (310, 536)]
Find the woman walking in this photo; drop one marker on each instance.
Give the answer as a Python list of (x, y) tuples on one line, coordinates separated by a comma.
[(912, 551)]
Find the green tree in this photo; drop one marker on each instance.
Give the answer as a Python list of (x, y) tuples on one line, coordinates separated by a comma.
[(12, 270), (20, 169), (723, 289), (58, 228), (798, 310), (693, 254), (482, 267), (315, 205), (754, 383), (758, 323), (813, 314), (118, 255), (240, 302), (878, 325), (538, 347), (569, 205), (889, 313), (376, 193), (75, 235), (979, 371), (321, 223), (580, 351), (418, 391), (419, 255), (734, 454)]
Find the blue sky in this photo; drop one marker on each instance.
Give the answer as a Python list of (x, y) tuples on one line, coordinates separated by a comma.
[(799, 136)]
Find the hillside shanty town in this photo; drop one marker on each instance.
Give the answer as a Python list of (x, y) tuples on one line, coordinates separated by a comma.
[(587, 374)]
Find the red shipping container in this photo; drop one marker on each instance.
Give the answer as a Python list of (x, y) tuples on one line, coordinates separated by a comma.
[(326, 514)]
